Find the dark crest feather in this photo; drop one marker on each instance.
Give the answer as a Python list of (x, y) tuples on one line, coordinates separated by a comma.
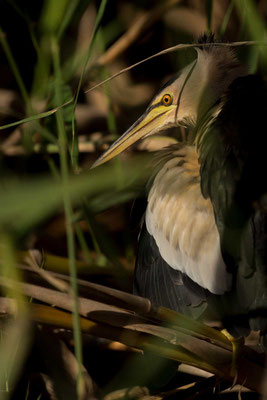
[(206, 39)]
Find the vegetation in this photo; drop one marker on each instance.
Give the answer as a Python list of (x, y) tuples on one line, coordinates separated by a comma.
[(69, 327)]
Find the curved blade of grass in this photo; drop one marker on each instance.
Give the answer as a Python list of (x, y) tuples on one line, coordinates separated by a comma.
[(35, 117), (169, 50), (176, 48)]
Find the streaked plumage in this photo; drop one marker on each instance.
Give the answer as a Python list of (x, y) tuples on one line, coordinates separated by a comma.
[(202, 249), (182, 222)]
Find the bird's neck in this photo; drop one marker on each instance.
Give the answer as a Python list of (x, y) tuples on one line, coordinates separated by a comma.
[(215, 69)]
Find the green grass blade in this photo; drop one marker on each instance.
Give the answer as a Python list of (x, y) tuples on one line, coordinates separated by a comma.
[(111, 120), (53, 14), (35, 117), (39, 198), (16, 337), (15, 69), (209, 7), (226, 19), (69, 11), (83, 244), (13, 350), (253, 25), (99, 16), (68, 213)]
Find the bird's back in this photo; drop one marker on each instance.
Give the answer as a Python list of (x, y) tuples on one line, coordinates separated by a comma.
[(233, 176)]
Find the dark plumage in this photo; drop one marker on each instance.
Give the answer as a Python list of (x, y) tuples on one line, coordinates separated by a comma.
[(163, 285)]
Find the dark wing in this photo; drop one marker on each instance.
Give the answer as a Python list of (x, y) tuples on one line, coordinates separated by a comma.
[(233, 158), (163, 285)]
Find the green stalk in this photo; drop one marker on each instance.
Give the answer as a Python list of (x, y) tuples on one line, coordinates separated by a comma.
[(15, 70), (89, 52), (83, 244), (44, 132), (68, 213), (90, 47), (53, 168), (226, 18), (209, 7), (253, 25), (15, 342), (111, 120), (69, 11)]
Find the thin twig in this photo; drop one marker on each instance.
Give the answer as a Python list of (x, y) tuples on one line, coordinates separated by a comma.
[(17, 150)]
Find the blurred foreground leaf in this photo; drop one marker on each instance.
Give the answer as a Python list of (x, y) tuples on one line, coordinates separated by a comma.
[(24, 204), (14, 346)]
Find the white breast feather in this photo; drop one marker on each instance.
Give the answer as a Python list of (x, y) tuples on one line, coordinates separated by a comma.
[(183, 225)]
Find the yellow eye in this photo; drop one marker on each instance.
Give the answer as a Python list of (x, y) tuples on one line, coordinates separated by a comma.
[(166, 100)]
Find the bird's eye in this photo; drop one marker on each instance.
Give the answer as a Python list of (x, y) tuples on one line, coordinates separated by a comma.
[(166, 100)]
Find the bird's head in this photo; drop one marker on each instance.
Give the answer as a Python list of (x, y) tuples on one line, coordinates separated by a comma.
[(184, 98)]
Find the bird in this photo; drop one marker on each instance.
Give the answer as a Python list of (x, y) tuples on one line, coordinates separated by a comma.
[(202, 247)]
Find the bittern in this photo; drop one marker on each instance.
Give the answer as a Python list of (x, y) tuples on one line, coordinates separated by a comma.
[(202, 248)]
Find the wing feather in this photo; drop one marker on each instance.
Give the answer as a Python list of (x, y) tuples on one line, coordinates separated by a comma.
[(233, 175), (163, 285)]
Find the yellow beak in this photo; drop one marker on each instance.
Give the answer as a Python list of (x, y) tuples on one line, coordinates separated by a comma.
[(150, 122)]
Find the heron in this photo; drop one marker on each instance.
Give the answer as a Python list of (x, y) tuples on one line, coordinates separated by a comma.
[(202, 246)]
